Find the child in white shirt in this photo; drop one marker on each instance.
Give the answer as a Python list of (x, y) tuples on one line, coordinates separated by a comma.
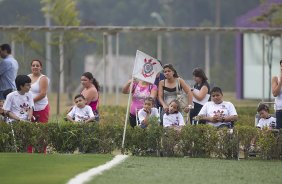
[(18, 105), (266, 121), (80, 112), (173, 118), (147, 112)]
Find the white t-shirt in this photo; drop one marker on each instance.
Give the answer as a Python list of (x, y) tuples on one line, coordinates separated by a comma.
[(35, 90), (142, 114), (223, 109), (81, 114), (19, 104), (175, 119), (266, 122)]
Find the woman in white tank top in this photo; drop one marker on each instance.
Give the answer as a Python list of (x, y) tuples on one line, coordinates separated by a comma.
[(276, 85), (39, 88)]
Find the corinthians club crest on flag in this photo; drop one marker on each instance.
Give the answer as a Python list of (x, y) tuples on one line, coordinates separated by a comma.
[(146, 67)]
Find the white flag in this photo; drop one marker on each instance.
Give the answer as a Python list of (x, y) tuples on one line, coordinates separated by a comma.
[(146, 67)]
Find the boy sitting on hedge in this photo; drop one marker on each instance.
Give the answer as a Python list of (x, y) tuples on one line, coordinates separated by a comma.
[(18, 105), (80, 112), (147, 112), (265, 122)]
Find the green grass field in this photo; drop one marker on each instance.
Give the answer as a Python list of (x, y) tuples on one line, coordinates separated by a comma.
[(19, 168), (57, 168), (150, 170)]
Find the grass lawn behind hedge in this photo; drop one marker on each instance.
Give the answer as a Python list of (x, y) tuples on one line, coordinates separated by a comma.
[(46, 169), (151, 170)]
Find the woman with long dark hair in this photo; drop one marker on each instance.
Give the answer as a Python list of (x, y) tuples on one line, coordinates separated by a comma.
[(167, 90), (91, 92), (200, 90)]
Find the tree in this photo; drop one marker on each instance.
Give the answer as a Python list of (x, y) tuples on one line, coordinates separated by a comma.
[(273, 17), (64, 13)]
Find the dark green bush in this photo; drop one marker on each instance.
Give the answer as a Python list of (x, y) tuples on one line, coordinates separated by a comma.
[(6, 138)]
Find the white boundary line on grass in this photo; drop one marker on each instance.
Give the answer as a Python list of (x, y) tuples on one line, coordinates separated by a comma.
[(86, 176)]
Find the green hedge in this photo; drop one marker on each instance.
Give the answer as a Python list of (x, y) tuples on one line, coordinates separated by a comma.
[(192, 141)]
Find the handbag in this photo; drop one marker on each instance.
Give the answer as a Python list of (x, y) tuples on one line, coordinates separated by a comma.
[(181, 96)]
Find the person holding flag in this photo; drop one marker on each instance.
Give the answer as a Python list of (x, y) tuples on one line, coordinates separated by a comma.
[(142, 84), (140, 91)]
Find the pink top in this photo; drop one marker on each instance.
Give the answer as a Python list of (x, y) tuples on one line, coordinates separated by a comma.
[(94, 104), (139, 93)]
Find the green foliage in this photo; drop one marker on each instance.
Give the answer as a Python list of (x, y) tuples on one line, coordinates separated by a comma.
[(106, 136), (6, 137), (171, 142), (245, 136), (63, 12), (272, 15), (64, 137), (146, 141), (267, 143), (193, 141)]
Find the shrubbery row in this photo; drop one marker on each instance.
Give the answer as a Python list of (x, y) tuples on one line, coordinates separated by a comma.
[(192, 141)]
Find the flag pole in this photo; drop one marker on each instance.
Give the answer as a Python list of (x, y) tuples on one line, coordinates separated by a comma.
[(126, 116)]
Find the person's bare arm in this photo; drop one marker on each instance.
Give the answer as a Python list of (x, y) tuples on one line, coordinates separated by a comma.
[(70, 118), (91, 95), (30, 114), (161, 95), (13, 116), (276, 86), (90, 119), (126, 87), (187, 90), (202, 93), (154, 93)]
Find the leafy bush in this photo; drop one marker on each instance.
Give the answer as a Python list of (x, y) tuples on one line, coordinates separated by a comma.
[(267, 144), (6, 138), (245, 136), (106, 136)]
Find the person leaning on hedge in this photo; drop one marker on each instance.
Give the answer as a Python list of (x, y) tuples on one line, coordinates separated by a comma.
[(217, 112), (80, 112), (148, 112), (19, 104)]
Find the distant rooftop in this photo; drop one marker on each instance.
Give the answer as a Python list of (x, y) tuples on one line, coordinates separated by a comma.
[(248, 19)]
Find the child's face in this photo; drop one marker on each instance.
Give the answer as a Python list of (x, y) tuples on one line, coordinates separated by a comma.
[(263, 114), (26, 87), (172, 108), (148, 105), (216, 97), (80, 102)]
